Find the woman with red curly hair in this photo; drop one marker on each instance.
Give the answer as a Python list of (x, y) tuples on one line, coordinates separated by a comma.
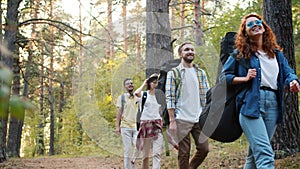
[(263, 105)]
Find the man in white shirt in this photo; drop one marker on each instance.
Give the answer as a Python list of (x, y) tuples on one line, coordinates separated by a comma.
[(184, 104)]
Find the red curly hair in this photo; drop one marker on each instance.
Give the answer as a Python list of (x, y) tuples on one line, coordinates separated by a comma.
[(246, 47)]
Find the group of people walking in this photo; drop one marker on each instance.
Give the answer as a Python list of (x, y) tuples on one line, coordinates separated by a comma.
[(261, 111)]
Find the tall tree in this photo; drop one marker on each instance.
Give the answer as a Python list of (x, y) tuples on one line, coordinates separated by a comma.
[(198, 33), (124, 15), (158, 35), (51, 76), (40, 144), (278, 14), (10, 37), (182, 20), (15, 124), (109, 30)]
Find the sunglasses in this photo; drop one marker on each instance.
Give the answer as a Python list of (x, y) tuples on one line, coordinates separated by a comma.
[(252, 23), (129, 83)]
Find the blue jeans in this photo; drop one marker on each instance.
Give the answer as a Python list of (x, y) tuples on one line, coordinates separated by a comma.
[(259, 132)]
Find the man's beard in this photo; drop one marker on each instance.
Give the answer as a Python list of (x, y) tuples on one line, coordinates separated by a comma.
[(130, 90), (187, 60)]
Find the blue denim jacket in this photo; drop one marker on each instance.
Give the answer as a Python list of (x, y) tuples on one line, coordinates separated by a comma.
[(250, 106)]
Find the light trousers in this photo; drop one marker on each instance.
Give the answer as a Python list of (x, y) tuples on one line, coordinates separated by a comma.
[(157, 146), (129, 136)]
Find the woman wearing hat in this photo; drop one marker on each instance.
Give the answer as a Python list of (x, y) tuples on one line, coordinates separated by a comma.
[(150, 130)]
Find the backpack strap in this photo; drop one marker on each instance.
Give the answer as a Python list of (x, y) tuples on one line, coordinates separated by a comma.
[(122, 102), (178, 80), (144, 97)]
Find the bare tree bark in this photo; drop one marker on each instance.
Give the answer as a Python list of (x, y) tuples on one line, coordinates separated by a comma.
[(172, 19), (278, 14), (40, 146), (198, 34), (13, 141), (108, 30), (124, 15), (158, 35), (10, 36), (182, 20), (51, 103)]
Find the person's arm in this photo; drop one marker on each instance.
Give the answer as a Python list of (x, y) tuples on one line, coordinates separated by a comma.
[(118, 121), (170, 100), (229, 71), (250, 75), (172, 126), (138, 91)]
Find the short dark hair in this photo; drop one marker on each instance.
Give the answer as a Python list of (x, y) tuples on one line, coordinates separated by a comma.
[(180, 47), (151, 79), (126, 79)]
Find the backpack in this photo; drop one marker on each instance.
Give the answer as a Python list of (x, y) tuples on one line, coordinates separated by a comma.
[(140, 110), (170, 65), (219, 119), (122, 102)]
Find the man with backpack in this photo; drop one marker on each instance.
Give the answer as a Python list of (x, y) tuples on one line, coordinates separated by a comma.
[(186, 88), (127, 110)]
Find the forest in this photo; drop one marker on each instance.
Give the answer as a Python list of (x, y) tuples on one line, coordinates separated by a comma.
[(62, 65)]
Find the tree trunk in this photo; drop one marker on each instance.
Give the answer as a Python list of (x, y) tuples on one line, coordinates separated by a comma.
[(173, 15), (51, 103), (124, 15), (14, 142), (40, 146), (198, 34), (108, 30), (10, 36), (158, 35), (278, 14), (60, 109), (182, 21), (2, 124)]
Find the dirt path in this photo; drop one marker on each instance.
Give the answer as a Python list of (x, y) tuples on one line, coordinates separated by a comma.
[(64, 163), (217, 159)]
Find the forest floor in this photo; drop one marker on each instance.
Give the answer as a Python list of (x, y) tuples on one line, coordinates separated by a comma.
[(221, 156)]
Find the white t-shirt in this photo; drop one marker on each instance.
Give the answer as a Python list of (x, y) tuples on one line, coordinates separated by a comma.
[(269, 70), (189, 108), (151, 108)]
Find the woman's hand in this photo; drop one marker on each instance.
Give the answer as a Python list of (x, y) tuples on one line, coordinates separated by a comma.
[(251, 74), (145, 83), (294, 86)]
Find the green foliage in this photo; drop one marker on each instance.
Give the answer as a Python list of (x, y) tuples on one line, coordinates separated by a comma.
[(5, 78), (73, 140), (6, 75), (228, 20), (18, 107), (108, 109), (4, 101)]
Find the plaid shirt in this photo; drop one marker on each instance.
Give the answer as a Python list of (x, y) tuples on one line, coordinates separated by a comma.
[(172, 95), (148, 129)]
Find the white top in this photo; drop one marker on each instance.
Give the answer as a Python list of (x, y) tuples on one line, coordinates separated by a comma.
[(189, 108), (151, 108), (269, 70)]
